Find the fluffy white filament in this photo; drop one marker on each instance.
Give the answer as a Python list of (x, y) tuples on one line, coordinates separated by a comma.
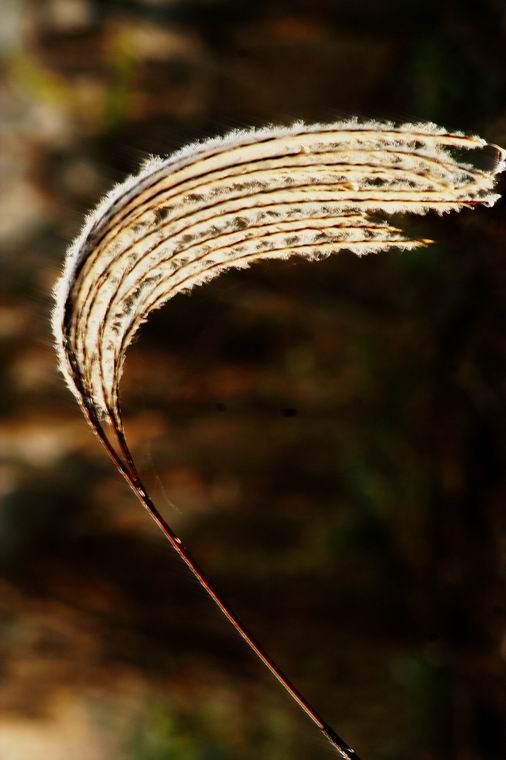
[(304, 190)]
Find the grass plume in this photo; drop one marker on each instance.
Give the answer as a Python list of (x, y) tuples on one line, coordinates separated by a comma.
[(305, 190)]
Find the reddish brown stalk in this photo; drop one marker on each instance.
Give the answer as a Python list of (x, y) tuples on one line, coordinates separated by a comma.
[(129, 471)]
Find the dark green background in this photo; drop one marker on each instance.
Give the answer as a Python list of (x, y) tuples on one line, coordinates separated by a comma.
[(327, 438)]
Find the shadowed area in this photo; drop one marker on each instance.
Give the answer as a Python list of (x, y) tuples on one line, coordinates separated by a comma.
[(328, 438)]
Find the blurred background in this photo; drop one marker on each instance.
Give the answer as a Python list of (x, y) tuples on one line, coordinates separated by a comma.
[(328, 439)]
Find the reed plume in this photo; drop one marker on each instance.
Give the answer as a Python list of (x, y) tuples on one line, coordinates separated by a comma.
[(305, 190)]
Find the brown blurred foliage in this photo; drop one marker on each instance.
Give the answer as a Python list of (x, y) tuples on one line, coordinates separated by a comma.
[(328, 438)]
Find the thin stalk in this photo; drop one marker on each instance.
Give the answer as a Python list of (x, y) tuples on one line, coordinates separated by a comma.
[(130, 473)]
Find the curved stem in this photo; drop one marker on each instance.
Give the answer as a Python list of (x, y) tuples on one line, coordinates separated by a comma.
[(129, 472)]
